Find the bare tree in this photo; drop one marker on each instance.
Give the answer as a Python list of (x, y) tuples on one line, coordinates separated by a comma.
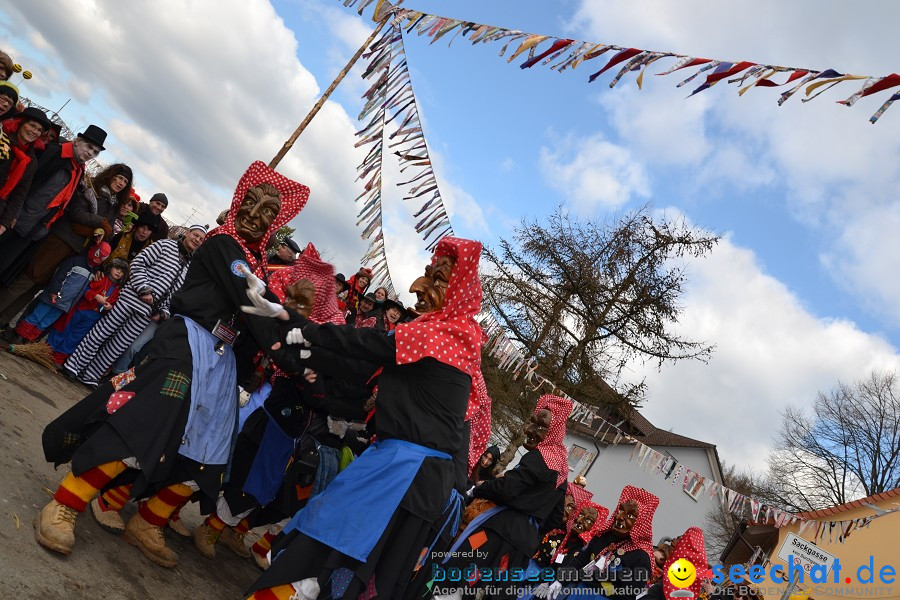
[(720, 523), (849, 447), (585, 298)]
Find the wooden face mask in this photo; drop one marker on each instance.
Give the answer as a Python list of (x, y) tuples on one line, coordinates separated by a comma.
[(431, 288)]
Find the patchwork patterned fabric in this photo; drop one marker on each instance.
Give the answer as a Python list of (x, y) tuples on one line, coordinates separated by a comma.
[(122, 379), (71, 439), (176, 385)]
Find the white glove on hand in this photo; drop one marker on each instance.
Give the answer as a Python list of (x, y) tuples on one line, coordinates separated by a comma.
[(254, 282), (295, 336), (261, 306), (554, 590), (540, 591)]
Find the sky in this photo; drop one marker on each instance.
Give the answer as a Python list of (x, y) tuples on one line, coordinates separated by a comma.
[(799, 293)]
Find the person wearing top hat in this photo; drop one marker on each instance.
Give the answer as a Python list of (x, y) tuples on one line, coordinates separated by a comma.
[(18, 161), (158, 203), (393, 313), (57, 175), (285, 254), (340, 288)]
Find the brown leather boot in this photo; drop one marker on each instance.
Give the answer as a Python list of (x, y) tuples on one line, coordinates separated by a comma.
[(54, 527), (205, 538), (150, 540), (261, 561), (178, 526), (234, 541), (107, 518)]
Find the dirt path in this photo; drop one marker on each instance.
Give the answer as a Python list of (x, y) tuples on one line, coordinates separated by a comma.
[(102, 565)]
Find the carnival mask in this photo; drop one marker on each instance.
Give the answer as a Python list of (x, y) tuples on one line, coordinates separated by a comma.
[(537, 428), (568, 507), (257, 212), (626, 516), (431, 288), (301, 296), (585, 519)]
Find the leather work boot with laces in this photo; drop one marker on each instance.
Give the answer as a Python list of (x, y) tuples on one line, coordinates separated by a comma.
[(205, 538), (107, 518), (178, 526), (261, 561), (234, 541), (54, 527), (150, 540)]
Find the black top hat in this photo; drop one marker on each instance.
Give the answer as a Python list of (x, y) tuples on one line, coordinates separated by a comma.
[(391, 303), (343, 281), (292, 245), (35, 114), (95, 135), (371, 298)]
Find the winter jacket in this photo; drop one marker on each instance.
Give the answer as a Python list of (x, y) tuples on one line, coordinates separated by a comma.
[(55, 179), (69, 282), (90, 211), (162, 230), (17, 168)]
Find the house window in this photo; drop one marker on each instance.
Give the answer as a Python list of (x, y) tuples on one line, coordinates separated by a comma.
[(579, 459)]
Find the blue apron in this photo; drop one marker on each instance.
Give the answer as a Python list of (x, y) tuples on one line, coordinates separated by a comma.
[(267, 471), (347, 516), (473, 525)]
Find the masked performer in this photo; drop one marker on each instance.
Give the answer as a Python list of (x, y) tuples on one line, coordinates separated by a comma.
[(618, 559), (560, 547), (352, 541), (691, 547), (172, 418), (507, 535)]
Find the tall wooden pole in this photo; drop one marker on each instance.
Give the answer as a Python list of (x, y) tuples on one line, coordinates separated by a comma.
[(321, 102)]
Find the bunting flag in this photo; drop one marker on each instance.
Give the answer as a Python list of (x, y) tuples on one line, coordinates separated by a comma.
[(560, 54)]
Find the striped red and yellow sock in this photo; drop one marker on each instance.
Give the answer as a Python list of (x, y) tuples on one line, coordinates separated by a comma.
[(77, 492), (263, 544), (158, 508), (243, 526), (215, 522), (281, 592), (115, 498)]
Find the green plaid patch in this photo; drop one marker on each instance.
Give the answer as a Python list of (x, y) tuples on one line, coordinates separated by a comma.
[(176, 385)]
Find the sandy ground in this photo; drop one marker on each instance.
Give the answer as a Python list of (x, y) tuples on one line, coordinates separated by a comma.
[(102, 565)]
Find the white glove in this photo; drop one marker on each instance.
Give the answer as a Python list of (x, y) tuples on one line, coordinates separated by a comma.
[(470, 493), (336, 427), (540, 591), (307, 589), (261, 306), (554, 590), (295, 336), (253, 281)]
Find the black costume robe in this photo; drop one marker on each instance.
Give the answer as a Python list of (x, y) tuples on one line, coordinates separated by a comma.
[(150, 426), (626, 572), (424, 403)]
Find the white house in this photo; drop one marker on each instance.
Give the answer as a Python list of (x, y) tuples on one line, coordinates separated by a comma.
[(607, 468)]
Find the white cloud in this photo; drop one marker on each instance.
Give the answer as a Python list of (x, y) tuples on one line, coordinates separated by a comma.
[(771, 353), (837, 174), (593, 173)]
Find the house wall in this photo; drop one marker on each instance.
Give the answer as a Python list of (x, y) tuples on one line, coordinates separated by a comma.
[(612, 471), (877, 542)]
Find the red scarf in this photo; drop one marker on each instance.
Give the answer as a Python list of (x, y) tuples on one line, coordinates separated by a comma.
[(450, 335), (552, 449), (479, 417), (691, 547), (579, 493), (20, 158), (641, 537), (293, 198), (62, 199), (310, 266)]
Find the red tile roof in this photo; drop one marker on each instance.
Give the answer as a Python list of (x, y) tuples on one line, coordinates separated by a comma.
[(834, 510)]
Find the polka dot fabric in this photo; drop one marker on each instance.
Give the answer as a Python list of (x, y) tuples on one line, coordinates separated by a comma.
[(117, 400), (293, 198), (450, 335), (586, 537), (552, 448), (579, 493), (692, 547), (310, 266), (479, 417), (642, 532)]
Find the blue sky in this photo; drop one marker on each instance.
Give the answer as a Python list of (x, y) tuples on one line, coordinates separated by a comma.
[(800, 293)]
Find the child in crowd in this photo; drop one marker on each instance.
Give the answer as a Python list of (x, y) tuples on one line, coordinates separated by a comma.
[(102, 293)]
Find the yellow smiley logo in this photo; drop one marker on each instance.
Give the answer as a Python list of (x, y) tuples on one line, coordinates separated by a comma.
[(682, 573)]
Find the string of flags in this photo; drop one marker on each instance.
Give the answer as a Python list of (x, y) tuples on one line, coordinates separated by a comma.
[(736, 503), (560, 54), (390, 101)]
